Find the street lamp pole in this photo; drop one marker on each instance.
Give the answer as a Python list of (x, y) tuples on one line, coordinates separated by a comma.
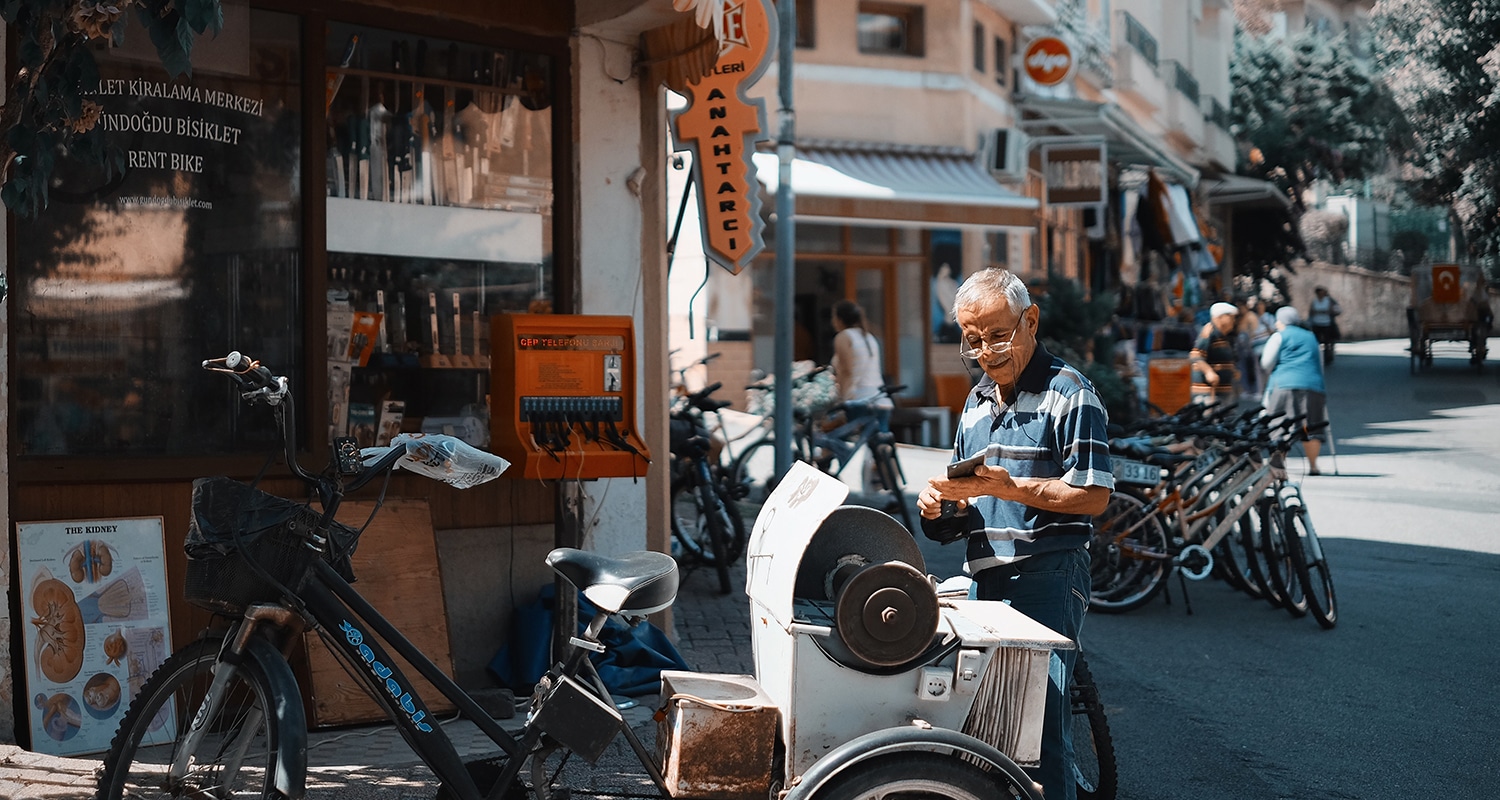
[(786, 151)]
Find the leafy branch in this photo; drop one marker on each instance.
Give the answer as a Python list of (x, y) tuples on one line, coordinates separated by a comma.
[(49, 110)]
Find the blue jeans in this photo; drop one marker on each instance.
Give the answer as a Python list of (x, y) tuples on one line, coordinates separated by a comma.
[(1053, 589)]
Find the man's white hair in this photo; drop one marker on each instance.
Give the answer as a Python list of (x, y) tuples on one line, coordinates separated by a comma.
[(981, 289)]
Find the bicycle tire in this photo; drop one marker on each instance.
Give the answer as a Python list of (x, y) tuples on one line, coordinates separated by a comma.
[(173, 693), (1094, 765), (1252, 529), (753, 472), (893, 479), (1312, 568), (1126, 571), (1277, 548), (693, 510), (1232, 561)]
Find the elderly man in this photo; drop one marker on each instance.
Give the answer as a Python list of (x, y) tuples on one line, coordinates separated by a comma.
[(1215, 377), (1028, 517)]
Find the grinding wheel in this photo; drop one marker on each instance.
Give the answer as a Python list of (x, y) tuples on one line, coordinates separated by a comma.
[(853, 533), (886, 614)]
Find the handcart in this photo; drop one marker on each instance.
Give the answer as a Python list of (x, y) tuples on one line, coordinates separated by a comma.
[(866, 685), (1449, 303)]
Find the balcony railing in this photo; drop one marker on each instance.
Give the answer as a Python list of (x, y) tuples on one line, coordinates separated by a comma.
[(1141, 39), (1217, 113), (1185, 82)]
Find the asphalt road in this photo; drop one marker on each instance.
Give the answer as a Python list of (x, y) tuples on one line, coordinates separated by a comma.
[(1241, 702)]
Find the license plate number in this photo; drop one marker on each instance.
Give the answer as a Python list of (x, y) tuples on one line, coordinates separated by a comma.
[(1136, 472)]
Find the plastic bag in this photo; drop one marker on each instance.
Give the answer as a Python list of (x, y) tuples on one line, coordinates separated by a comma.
[(441, 457)]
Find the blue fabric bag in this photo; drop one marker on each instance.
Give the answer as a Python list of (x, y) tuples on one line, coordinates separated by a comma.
[(630, 666)]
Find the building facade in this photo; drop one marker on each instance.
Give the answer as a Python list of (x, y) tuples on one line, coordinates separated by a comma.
[(437, 164), (929, 145)]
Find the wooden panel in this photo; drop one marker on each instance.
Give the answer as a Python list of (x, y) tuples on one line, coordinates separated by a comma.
[(397, 567)]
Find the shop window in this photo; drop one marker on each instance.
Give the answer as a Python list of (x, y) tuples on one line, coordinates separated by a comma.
[(869, 241), (947, 271), (909, 241), (979, 60), (125, 283), (815, 238), (890, 29), (440, 206)]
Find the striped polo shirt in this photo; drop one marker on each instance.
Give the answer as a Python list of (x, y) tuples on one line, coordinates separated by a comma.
[(1054, 429)]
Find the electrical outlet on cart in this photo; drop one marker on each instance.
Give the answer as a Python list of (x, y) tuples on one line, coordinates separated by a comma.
[(969, 671), (936, 684)]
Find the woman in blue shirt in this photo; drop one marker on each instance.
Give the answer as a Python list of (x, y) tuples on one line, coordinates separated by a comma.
[(1295, 383)]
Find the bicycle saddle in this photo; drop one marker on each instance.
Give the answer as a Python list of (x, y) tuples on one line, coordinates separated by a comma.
[(633, 584)]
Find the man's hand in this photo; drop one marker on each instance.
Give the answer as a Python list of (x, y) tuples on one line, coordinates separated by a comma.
[(987, 479)]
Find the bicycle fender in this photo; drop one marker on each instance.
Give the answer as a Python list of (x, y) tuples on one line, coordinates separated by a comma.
[(889, 741), (288, 717)]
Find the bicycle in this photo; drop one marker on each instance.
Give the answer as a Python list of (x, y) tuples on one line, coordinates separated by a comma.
[(224, 713), (706, 519), (831, 451), (1133, 553)]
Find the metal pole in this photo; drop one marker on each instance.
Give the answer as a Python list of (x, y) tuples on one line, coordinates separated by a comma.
[(786, 284)]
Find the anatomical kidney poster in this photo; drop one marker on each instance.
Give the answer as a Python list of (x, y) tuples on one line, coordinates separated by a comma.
[(94, 601)]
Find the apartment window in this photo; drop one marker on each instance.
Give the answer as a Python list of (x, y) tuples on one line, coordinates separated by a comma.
[(979, 62), (1002, 64), (889, 29), (806, 27)]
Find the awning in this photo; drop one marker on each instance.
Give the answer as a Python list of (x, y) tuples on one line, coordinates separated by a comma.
[(899, 189), (1238, 190), (1128, 142)]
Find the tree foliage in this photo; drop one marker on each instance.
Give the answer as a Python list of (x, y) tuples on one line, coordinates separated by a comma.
[(49, 109), (1309, 110), (1441, 59)]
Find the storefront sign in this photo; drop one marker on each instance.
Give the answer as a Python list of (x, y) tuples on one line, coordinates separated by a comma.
[(1047, 60), (1075, 174), (94, 593), (720, 127)]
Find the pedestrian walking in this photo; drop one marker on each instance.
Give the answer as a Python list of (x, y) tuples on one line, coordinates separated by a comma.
[(1295, 386), (1214, 355), (1322, 316)]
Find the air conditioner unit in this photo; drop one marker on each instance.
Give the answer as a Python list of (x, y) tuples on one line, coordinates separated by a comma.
[(1005, 154)]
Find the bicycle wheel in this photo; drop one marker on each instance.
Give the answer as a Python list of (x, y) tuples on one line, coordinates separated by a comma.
[(1232, 561), (923, 776), (237, 754), (1094, 765), (1281, 573), (708, 525), (1130, 555), (753, 472), (893, 479), (1312, 567), (1252, 533)]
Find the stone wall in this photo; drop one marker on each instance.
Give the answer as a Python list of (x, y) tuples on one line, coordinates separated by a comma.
[(1374, 303)]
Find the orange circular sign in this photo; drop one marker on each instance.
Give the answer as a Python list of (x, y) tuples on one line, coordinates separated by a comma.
[(1048, 60)]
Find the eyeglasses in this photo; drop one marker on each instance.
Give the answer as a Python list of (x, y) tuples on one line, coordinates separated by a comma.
[(992, 344)]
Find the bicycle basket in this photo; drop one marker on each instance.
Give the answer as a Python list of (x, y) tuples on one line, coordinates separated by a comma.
[(272, 531)]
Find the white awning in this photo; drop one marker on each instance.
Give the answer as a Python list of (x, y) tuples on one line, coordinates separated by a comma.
[(900, 189), (1238, 190)]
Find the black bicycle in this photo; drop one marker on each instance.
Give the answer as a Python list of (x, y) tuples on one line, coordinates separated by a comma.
[(706, 518), (223, 716)]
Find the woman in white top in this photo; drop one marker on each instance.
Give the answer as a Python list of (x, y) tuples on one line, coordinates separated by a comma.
[(856, 360)]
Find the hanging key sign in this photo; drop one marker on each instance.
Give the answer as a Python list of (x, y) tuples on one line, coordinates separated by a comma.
[(720, 127)]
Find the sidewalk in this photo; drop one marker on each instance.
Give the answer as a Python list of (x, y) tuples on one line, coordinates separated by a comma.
[(712, 631)]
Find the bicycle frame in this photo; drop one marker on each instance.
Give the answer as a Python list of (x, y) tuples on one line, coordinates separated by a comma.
[(360, 636), (846, 439), (1192, 516)]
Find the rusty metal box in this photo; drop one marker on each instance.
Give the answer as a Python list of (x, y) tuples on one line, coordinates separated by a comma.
[(717, 736)]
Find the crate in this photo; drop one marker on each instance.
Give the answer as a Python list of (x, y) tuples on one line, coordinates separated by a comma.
[(717, 737)]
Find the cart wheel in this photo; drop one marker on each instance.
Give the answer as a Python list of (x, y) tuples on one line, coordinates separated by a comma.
[(924, 776)]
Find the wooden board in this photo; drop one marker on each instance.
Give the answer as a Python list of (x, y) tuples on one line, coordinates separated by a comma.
[(396, 565)]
